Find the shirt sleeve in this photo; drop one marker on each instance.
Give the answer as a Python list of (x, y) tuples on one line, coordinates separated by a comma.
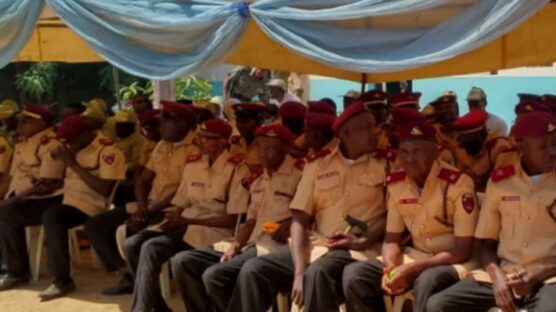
[(304, 196), (466, 211), (181, 199), (488, 226), (394, 221), (238, 197), (50, 167), (112, 164)]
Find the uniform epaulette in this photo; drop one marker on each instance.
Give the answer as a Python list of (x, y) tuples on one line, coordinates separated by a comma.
[(299, 164), (387, 154), (395, 177), (236, 160), (194, 158), (195, 142), (235, 139), (107, 141), (450, 176), (317, 155), (502, 173), (254, 176)]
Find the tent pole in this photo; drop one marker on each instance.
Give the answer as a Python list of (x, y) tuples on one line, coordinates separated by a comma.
[(116, 77), (363, 82)]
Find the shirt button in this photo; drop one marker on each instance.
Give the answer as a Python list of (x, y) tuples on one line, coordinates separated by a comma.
[(422, 226)]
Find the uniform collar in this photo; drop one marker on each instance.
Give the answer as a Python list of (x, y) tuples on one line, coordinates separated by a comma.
[(220, 160), (40, 135), (337, 152)]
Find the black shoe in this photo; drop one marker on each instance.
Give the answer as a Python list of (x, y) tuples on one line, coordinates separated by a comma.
[(124, 286), (9, 281), (56, 291)]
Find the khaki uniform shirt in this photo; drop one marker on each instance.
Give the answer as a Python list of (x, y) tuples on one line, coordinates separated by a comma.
[(238, 147), (210, 191), (479, 167), (270, 200), (446, 208), (333, 187), (167, 162), (132, 147), (32, 160), (147, 151), (6, 153), (521, 215), (102, 158)]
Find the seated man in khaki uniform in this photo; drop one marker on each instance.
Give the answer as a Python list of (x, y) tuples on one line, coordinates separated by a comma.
[(249, 116), (94, 165), (207, 204), (476, 152), (436, 203), (35, 185), (154, 189), (206, 277), (341, 197), (517, 226)]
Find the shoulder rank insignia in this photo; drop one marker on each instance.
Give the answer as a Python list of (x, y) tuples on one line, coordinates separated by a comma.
[(502, 173), (299, 164), (106, 141), (317, 155), (194, 158), (235, 160), (45, 139), (450, 176), (236, 139), (395, 177), (109, 158), (254, 176)]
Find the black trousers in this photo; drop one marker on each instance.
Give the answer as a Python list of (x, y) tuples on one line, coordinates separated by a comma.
[(101, 231), (262, 278), (204, 283), (56, 218), (146, 252), (363, 290), (471, 296)]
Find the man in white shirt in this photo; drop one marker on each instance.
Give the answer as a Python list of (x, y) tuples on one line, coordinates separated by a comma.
[(477, 99), (278, 93)]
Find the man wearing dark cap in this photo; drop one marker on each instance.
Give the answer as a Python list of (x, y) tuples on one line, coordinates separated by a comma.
[(318, 132), (529, 103), (549, 100), (341, 197), (405, 99), (249, 116), (517, 226), (155, 187), (73, 109), (436, 203), (476, 153), (446, 111), (204, 211), (36, 183), (206, 276), (292, 116)]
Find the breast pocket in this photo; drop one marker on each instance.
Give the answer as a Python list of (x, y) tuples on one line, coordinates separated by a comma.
[(325, 183), (509, 215)]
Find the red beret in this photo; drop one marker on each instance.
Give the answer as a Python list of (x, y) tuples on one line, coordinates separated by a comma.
[(534, 124), (406, 115), (292, 110), (275, 131), (527, 106), (321, 107), (150, 116), (421, 130), (249, 107), (71, 128), (319, 120), (176, 109), (526, 97), (373, 97), (351, 111), (550, 101), (216, 127), (40, 112), (405, 98), (471, 122), (444, 99)]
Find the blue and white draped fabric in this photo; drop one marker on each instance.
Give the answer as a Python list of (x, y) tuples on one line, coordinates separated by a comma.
[(164, 39)]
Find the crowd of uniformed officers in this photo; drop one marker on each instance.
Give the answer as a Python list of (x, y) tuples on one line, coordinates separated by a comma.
[(352, 210)]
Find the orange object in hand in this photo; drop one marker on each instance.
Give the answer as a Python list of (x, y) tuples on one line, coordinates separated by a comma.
[(270, 227)]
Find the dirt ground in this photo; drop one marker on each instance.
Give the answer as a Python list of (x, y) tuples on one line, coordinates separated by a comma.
[(87, 297)]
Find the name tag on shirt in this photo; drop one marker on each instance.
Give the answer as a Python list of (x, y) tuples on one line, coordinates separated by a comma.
[(328, 175), (510, 198), (197, 184), (409, 201)]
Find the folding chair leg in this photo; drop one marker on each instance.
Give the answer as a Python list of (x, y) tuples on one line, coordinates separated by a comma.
[(165, 281), (95, 262), (35, 239), (74, 246), (282, 302), (400, 300)]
